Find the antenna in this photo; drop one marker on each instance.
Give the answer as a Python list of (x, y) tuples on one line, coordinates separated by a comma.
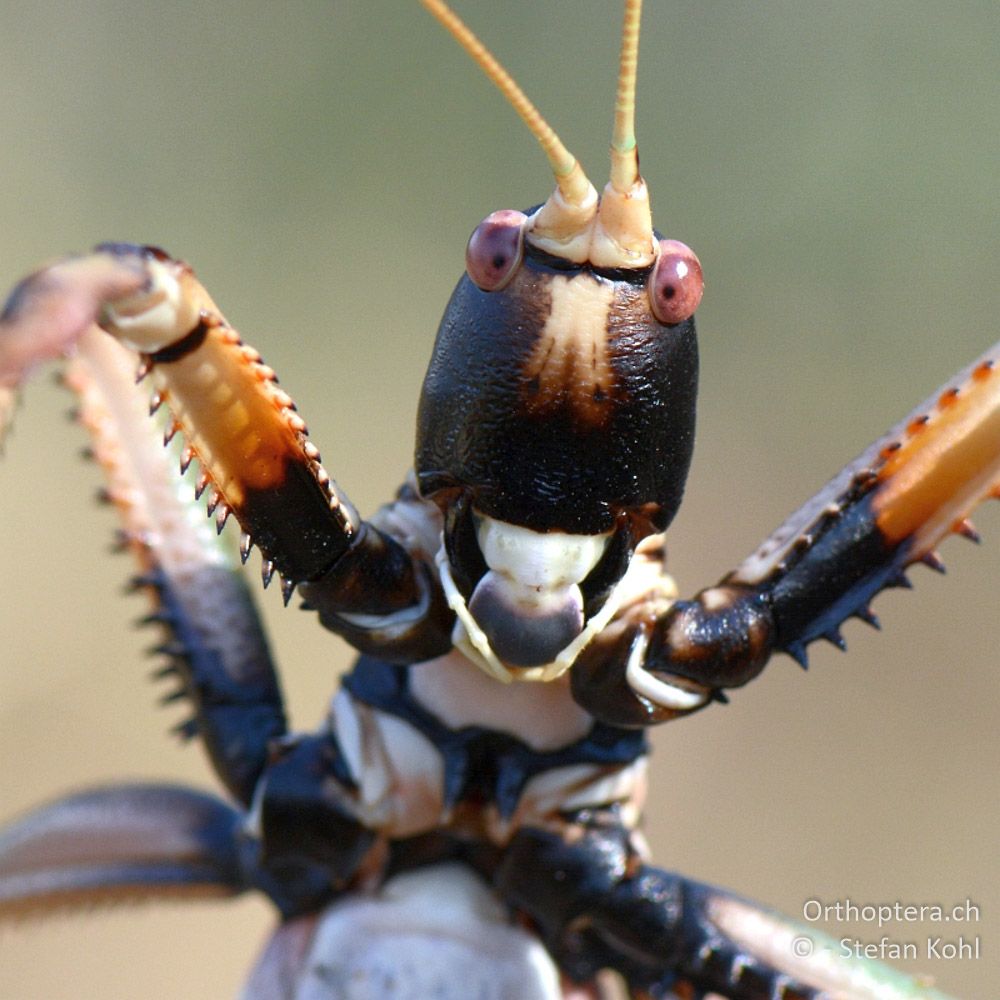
[(570, 178), (624, 152), (619, 231)]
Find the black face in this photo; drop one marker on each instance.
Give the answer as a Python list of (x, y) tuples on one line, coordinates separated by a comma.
[(559, 402)]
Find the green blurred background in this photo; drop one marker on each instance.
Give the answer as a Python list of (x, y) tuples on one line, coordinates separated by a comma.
[(322, 164)]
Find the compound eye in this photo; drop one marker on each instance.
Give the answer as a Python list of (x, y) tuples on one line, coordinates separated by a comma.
[(675, 284), (495, 249)]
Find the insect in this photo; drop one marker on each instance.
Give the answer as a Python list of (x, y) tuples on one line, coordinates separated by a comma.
[(724, 559)]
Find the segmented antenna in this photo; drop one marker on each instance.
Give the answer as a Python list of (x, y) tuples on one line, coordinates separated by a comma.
[(571, 180), (573, 224), (624, 152)]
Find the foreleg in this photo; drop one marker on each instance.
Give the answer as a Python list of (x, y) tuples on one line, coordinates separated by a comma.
[(213, 639), (250, 443), (303, 841), (888, 509), (598, 905)]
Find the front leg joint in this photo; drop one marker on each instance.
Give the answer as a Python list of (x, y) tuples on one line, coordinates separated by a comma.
[(722, 638), (382, 600), (649, 670)]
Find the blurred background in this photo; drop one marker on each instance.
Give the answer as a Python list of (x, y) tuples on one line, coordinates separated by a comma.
[(321, 164)]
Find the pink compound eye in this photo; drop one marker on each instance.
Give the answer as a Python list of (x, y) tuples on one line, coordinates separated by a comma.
[(676, 284), (495, 249)]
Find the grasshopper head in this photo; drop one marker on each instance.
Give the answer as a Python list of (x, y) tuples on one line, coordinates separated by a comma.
[(556, 422)]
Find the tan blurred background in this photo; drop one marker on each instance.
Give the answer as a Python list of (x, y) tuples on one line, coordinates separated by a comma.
[(321, 164)]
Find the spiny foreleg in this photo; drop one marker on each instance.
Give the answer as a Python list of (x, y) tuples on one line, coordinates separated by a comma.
[(885, 511), (251, 445), (213, 639)]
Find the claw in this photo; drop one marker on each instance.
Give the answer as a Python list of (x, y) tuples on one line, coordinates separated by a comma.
[(140, 582), (186, 730), (933, 560), (154, 618), (868, 617), (966, 529), (172, 648), (797, 651), (175, 696), (835, 638), (120, 541)]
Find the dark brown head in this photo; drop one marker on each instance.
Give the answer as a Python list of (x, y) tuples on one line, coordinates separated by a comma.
[(556, 423), (560, 402)]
